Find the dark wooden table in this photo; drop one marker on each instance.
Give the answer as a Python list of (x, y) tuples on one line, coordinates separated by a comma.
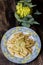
[(7, 24)]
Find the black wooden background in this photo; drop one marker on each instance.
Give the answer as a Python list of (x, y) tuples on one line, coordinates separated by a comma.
[(7, 21)]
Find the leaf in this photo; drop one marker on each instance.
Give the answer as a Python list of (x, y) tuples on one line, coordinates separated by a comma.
[(27, 0), (25, 24), (17, 17), (25, 21), (31, 5), (26, 3), (21, 1), (37, 12), (30, 20), (35, 22), (29, 16), (20, 20)]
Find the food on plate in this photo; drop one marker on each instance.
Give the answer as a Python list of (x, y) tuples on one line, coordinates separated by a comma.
[(20, 45)]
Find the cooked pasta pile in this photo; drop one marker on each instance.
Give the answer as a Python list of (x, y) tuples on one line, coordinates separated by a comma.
[(20, 44)]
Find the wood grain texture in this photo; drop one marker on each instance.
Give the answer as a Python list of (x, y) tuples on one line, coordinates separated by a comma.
[(7, 24)]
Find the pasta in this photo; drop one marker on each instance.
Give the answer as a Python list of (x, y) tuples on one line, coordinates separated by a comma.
[(20, 45)]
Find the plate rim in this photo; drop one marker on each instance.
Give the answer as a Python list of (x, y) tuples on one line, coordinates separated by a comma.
[(17, 62)]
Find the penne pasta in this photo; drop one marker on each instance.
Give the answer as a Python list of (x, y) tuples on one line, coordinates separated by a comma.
[(20, 45)]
